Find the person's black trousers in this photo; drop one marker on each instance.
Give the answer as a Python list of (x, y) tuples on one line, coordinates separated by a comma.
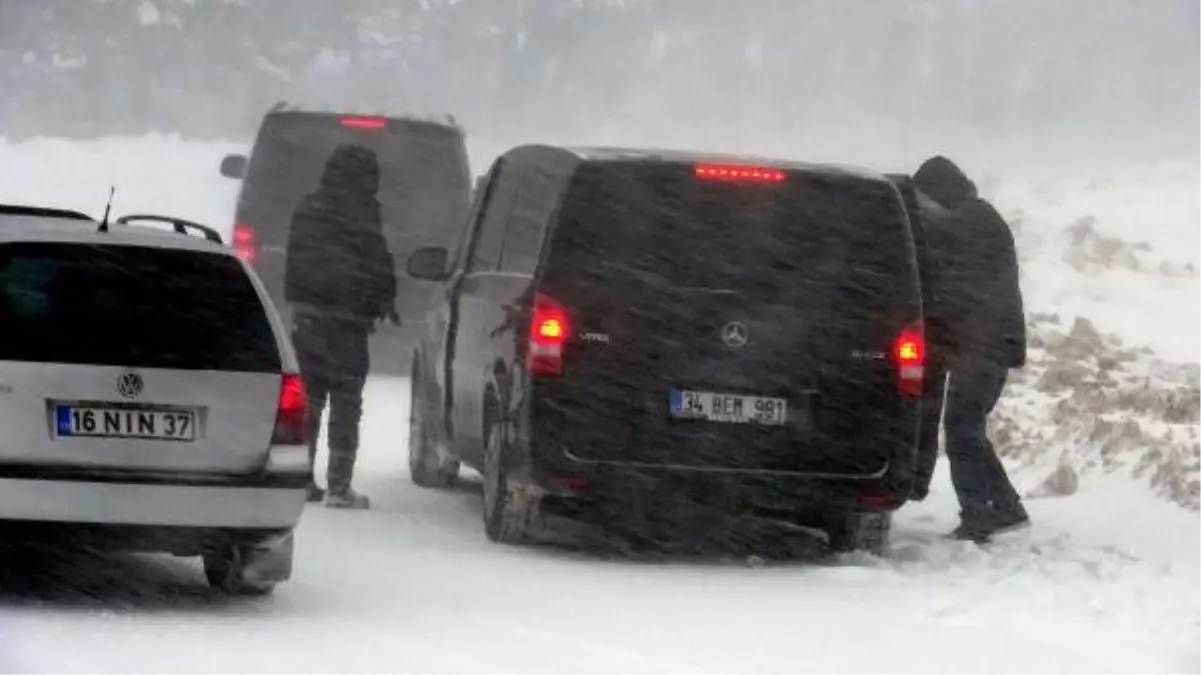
[(334, 361), (980, 480)]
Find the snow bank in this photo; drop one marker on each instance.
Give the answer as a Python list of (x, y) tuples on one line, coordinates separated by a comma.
[(1110, 276), (1113, 301)]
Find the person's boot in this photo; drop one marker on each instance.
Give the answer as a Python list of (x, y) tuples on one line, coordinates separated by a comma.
[(341, 471), (1010, 519), (347, 498), (975, 532), (313, 493), (974, 527)]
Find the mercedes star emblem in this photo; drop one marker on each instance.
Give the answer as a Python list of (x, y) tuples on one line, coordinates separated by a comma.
[(735, 334), (129, 385)]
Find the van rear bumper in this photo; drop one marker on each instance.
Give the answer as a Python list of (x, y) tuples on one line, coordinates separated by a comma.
[(117, 503)]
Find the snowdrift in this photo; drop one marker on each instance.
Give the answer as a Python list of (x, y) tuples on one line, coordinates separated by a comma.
[(1110, 275)]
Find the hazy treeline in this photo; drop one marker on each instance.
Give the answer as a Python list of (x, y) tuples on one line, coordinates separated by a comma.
[(1123, 72)]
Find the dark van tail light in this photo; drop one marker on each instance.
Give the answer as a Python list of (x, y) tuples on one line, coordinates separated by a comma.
[(291, 417), (244, 242), (909, 353), (549, 327)]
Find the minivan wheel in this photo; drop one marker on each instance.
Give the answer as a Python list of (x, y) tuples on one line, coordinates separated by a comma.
[(506, 512), (860, 531), (426, 469)]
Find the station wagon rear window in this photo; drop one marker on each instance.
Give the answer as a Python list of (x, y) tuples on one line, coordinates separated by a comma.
[(131, 306)]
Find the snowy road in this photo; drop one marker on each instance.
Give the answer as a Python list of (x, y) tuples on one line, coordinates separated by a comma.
[(1106, 582)]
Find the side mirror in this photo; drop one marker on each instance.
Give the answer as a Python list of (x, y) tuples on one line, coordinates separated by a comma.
[(429, 264), (233, 166)]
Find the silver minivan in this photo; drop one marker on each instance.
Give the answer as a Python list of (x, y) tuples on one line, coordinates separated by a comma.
[(149, 394)]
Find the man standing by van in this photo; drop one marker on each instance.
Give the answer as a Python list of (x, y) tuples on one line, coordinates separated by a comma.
[(980, 329), (339, 279)]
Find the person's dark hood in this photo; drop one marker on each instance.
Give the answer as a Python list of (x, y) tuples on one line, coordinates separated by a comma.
[(944, 182), (351, 169)]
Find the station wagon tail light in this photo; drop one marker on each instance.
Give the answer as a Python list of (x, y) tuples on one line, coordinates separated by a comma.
[(291, 417), (549, 328), (363, 122), (244, 244), (738, 173), (909, 354)]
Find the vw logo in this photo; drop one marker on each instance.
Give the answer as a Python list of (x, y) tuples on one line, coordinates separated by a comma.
[(130, 385), (735, 334)]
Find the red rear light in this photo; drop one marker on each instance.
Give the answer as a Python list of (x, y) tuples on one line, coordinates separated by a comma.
[(364, 122), (909, 354), (291, 417), (741, 173), (244, 243), (878, 500), (549, 328)]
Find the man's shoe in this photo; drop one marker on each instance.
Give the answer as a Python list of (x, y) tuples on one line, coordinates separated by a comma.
[(347, 499), (1010, 521), (314, 493), (971, 530)]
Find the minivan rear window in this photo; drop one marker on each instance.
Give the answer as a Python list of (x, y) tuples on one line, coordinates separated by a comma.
[(664, 225), (425, 182), (131, 306)]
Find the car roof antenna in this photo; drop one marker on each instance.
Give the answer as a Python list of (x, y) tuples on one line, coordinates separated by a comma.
[(108, 208)]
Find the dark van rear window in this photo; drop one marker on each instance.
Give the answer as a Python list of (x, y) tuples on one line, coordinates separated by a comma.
[(425, 182), (810, 233), (131, 306)]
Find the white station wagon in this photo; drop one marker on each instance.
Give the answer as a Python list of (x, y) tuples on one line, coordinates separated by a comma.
[(149, 394)]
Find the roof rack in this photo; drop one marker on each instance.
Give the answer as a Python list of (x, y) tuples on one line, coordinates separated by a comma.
[(42, 212), (180, 225)]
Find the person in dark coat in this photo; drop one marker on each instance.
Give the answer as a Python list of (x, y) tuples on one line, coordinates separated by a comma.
[(339, 280), (979, 330)]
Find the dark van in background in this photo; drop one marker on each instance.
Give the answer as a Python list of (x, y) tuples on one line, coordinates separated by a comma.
[(425, 192), (627, 330)]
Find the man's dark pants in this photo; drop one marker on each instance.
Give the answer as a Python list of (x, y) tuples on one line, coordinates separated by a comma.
[(334, 362), (984, 490)]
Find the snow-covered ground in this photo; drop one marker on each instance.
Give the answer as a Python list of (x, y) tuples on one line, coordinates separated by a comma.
[(413, 585), (1106, 580)]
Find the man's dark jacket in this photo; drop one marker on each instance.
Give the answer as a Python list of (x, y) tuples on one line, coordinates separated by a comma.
[(977, 311), (338, 263)]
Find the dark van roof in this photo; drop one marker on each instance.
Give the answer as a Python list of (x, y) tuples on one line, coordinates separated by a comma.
[(290, 110), (606, 154)]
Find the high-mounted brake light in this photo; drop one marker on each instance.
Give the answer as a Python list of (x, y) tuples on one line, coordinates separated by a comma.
[(363, 122), (291, 417), (549, 328), (909, 354), (738, 173), (243, 241)]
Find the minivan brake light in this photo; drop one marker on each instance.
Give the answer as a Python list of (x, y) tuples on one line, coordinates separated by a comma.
[(549, 327), (363, 122), (243, 241), (909, 355), (738, 173)]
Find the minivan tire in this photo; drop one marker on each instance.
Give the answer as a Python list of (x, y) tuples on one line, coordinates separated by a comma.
[(507, 514), (243, 569), (860, 531), (426, 469)]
